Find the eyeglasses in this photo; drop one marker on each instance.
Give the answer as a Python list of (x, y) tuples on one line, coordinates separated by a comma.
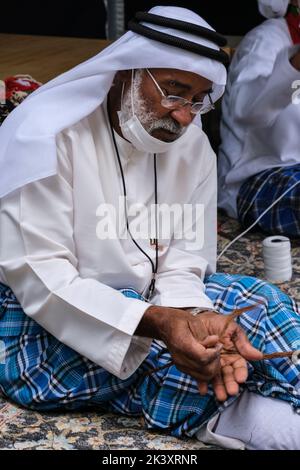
[(176, 102)]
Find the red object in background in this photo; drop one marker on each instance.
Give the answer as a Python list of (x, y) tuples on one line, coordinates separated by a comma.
[(20, 83), (293, 22), (14, 91)]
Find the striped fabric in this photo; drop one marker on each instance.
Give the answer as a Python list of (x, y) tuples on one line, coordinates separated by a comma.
[(40, 373), (259, 191)]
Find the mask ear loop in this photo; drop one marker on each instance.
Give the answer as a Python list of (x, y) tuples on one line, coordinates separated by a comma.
[(131, 91), (122, 101), (122, 93)]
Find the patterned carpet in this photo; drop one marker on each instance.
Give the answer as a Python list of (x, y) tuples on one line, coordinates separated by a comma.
[(22, 429), (245, 255)]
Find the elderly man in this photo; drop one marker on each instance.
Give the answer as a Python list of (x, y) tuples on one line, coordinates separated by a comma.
[(259, 155), (92, 314)]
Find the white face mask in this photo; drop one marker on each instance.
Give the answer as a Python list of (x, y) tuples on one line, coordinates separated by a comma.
[(133, 130)]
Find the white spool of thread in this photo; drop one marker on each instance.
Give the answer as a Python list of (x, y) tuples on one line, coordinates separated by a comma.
[(277, 258)]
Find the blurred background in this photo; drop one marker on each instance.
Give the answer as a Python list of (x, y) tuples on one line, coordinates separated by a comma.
[(107, 19)]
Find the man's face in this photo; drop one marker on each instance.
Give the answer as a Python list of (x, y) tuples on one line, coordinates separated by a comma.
[(162, 123)]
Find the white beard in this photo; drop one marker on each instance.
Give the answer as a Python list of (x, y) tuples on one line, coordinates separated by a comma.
[(141, 109)]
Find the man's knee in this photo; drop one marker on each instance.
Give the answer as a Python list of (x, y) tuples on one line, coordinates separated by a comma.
[(262, 423)]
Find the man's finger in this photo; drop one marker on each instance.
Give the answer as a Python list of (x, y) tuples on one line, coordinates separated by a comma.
[(203, 388), (200, 355), (240, 370), (231, 385), (219, 388), (211, 341), (242, 344), (210, 356)]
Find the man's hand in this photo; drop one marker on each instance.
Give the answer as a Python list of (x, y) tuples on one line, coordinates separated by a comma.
[(197, 345), (236, 350)]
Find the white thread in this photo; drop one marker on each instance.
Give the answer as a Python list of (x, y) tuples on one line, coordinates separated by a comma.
[(277, 258), (257, 220)]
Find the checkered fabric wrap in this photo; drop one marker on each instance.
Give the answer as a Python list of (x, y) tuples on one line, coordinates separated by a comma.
[(258, 193), (39, 372)]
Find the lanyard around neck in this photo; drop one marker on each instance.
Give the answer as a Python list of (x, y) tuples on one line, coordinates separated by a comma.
[(151, 287)]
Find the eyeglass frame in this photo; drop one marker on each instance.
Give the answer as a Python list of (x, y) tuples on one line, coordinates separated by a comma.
[(210, 106)]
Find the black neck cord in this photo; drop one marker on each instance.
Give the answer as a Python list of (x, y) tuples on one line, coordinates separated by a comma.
[(154, 267)]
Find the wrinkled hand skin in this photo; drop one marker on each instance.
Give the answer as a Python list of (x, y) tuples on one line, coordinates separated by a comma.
[(195, 344), (232, 368)]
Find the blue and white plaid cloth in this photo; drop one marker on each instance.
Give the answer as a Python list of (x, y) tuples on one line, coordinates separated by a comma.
[(259, 191), (40, 373)]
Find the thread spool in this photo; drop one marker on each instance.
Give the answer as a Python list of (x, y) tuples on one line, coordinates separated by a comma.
[(277, 259)]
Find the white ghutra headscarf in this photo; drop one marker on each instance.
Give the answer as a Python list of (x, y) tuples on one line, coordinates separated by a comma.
[(273, 8), (28, 135)]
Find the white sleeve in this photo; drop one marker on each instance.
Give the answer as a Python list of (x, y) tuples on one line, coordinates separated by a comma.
[(38, 261), (188, 260), (262, 81)]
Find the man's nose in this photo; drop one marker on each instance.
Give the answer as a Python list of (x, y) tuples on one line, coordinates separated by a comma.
[(183, 115)]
